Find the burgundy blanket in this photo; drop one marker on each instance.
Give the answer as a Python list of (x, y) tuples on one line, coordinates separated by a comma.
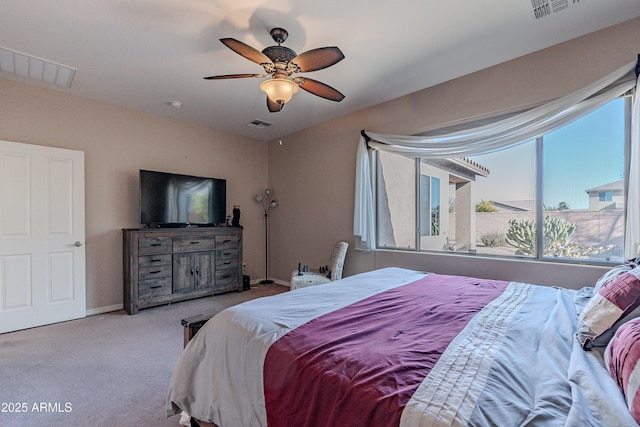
[(360, 365)]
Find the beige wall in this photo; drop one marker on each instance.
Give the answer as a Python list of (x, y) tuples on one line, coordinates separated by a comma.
[(117, 142), (314, 170)]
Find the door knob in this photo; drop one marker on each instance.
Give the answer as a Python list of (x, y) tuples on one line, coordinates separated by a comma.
[(78, 243)]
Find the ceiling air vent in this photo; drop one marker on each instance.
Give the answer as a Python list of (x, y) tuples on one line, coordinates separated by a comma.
[(42, 70), (259, 124), (542, 8)]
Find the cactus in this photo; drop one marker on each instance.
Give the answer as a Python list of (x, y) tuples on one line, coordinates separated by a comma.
[(557, 231), (522, 235)]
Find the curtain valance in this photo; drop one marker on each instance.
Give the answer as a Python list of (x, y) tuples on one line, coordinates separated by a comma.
[(512, 130), (501, 134)]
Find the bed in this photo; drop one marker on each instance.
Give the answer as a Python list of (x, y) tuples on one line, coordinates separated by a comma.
[(396, 347)]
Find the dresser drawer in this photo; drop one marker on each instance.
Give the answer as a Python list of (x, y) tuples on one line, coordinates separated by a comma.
[(226, 262), (227, 253), (150, 260), (154, 288), (226, 277), (154, 245), (193, 243), (227, 240), (154, 272)]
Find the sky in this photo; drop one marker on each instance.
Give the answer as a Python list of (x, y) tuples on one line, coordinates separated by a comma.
[(584, 154)]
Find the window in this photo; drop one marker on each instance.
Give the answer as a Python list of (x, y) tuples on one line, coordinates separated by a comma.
[(569, 183), (396, 201), (605, 196), (409, 189), (429, 206)]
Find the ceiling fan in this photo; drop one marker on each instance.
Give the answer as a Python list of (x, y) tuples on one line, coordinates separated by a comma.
[(280, 63)]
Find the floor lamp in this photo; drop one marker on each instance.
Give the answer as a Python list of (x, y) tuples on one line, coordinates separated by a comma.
[(267, 203)]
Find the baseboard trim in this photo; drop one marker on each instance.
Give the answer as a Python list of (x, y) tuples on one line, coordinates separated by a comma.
[(282, 282), (276, 281), (107, 309), (118, 307)]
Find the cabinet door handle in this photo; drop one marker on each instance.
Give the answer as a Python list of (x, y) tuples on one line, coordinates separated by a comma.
[(156, 260), (156, 244), (227, 262), (198, 270), (155, 272), (155, 287), (226, 241), (194, 243), (226, 253), (226, 276), (192, 271)]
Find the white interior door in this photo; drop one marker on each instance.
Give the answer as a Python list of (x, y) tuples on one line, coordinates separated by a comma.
[(42, 255)]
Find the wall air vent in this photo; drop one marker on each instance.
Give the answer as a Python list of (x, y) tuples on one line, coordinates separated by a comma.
[(37, 69), (542, 8), (259, 124)]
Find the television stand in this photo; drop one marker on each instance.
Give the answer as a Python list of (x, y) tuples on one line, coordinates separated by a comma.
[(165, 265)]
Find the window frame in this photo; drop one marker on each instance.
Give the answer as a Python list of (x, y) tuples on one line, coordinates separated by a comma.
[(539, 200)]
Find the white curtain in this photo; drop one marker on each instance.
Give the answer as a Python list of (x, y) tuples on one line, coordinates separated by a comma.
[(632, 228), (489, 138), (363, 212)]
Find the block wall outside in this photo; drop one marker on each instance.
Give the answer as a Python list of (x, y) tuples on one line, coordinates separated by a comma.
[(592, 227)]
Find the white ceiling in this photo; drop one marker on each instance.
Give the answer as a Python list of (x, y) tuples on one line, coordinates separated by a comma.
[(142, 54)]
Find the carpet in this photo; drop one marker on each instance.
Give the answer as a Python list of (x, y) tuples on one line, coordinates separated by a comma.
[(107, 370)]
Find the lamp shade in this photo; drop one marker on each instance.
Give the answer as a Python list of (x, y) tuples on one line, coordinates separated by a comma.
[(279, 90)]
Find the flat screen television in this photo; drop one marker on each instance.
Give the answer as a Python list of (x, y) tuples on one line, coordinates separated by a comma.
[(174, 200)]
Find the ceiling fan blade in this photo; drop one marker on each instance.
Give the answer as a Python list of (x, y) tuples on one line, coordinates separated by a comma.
[(316, 59), (247, 51), (318, 88), (232, 76), (274, 106)]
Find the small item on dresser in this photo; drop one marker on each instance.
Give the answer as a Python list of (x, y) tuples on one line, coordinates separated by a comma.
[(235, 222), (299, 270)]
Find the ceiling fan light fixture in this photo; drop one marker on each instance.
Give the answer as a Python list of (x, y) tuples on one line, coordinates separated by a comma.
[(279, 90), (280, 62)]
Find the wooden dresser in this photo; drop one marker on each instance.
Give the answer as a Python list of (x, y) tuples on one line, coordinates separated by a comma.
[(165, 265)]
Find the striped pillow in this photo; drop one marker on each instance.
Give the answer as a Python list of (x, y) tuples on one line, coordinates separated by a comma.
[(612, 274), (607, 309), (622, 358)]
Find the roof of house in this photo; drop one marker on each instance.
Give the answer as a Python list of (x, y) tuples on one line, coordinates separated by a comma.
[(611, 186), (460, 169), (515, 205)]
